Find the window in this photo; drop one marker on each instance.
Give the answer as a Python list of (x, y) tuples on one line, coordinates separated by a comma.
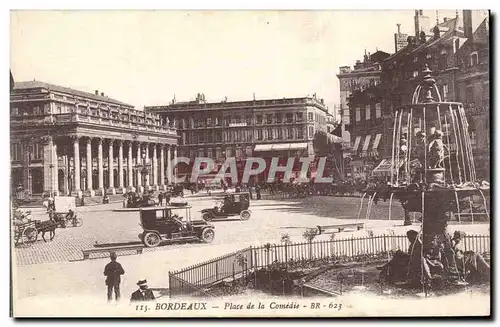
[(311, 131), (269, 133), (218, 137), (14, 111), (310, 116), (208, 121), (445, 92), (269, 119), (237, 119), (474, 59), (37, 153), (358, 114), (378, 110), (210, 137), (15, 151), (195, 138), (217, 121), (367, 112), (290, 133), (289, 118), (279, 118), (280, 134), (300, 133), (259, 135), (299, 116), (473, 140), (259, 119), (248, 120)]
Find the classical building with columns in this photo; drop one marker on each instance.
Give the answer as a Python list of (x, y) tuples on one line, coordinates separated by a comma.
[(70, 142)]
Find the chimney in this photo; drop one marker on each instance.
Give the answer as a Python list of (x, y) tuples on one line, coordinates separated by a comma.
[(96, 92), (422, 23), (399, 28), (445, 19), (102, 94), (467, 23)]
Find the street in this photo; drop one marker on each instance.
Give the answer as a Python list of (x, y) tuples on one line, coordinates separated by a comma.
[(56, 267)]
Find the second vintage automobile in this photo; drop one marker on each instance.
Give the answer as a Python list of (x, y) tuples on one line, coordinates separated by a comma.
[(162, 224), (233, 204)]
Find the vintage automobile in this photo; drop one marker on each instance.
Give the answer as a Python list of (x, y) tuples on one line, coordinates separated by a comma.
[(232, 204), (161, 223)]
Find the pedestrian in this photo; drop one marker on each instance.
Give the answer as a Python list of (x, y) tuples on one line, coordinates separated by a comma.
[(143, 293), (167, 198), (257, 192), (160, 198), (250, 191), (113, 271)]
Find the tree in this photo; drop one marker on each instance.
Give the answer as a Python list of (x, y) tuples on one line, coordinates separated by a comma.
[(309, 235)]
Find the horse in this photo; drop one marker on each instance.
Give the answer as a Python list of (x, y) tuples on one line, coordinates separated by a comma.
[(46, 226)]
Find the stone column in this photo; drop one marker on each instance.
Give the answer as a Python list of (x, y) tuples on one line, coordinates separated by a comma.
[(148, 183), (175, 158), (155, 167), (169, 165), (129, 168), (162, 166), (120, 166), (110, 168), (99, 164), (76, 158), (139, 173), (55, 178), (90, 187)]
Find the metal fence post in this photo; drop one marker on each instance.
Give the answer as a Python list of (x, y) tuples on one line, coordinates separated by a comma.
[(385, 244)]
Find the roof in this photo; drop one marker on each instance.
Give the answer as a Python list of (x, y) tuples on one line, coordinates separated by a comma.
[(61, 89)]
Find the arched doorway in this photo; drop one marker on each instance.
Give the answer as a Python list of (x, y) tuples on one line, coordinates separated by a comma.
[(37, 180), (60, 180), (95, 179), (115, 177), (125, 177)]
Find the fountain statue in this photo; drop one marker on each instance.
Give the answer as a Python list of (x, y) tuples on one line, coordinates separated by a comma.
[(432, 172)]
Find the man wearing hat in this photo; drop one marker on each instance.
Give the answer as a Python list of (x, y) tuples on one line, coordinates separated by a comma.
[(470, 264), (143, 293), (113, 271)]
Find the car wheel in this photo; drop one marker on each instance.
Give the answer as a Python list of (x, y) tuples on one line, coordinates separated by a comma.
[(208, 235), (207, 217), (151, 239), (245, 215)]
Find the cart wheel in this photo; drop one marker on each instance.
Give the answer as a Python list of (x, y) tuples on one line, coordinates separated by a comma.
[(245, 215), (151, 239), (207, 217), (208, 235), (78, 222), (30, 234)]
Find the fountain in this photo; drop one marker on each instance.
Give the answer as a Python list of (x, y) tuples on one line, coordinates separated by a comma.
[(432, 172)]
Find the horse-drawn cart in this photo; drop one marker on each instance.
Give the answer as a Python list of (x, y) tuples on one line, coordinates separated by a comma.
[(25, 232), (64, 212)]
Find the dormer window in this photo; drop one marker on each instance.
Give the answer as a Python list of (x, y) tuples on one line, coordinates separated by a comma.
[(474, 58)]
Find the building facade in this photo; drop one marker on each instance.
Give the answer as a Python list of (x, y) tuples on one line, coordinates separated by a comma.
[(473, 89), (360, 99), (458, 63), (65, 141), (265, 128)]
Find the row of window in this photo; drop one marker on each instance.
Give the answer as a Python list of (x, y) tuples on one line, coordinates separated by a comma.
[(246, 135), (368, 112), (35, 151), (277, 118)]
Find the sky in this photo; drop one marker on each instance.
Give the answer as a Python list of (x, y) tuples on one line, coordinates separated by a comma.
[(148, 57)]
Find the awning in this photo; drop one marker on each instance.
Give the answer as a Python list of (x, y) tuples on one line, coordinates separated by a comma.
[(383, 168), (356, 143), (367, 143), (376, 142), (298, 146), (263, 147), (334, 138), (280, 146)]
